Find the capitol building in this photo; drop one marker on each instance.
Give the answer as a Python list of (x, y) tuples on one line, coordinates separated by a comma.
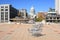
[(32, 13)]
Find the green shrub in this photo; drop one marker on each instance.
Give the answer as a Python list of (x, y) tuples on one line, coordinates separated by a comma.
[(38, 19)]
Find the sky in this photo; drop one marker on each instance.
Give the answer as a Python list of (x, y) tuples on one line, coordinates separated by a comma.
[(39, 5)]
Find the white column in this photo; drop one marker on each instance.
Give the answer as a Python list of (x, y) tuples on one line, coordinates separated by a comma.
[(0, 14), (56, 5), (24, 15), (9, 13), (4, 13), (59, 6)]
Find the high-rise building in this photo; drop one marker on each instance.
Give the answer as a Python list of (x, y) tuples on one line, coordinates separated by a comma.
[(57, 6), (7, 12), (23, 13)]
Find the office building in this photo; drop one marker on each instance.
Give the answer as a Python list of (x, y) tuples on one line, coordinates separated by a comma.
[(7, 12), (23, 13), (52, 17), (54, 14), (22, 17)]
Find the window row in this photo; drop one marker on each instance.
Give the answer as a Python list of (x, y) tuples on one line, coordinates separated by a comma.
[(3, 13), (4, 21), (4, 6), (6, 14), (3, 18), (53, 18), (3, 9)]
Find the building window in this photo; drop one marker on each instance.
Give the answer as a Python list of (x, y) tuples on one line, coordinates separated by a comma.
[(2, 14), (47, 21), (6, 14), (6, 6), (47, 18), (57, 17), (50, 20), (50, 17), (6, 18), (2, 9), (6, 9), (54, 18), (58, 20), (2, 6), (2, 21), (2, 18)]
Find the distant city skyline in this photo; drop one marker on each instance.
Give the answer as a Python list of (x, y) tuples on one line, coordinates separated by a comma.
[(39, 5)]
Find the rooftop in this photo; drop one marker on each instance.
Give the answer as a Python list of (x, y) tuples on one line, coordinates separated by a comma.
[(5, 4)]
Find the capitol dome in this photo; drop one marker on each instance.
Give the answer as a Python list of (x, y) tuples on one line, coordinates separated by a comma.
[(32, 8)]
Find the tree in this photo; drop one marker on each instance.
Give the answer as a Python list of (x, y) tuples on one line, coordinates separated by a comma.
[(40, 17)]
